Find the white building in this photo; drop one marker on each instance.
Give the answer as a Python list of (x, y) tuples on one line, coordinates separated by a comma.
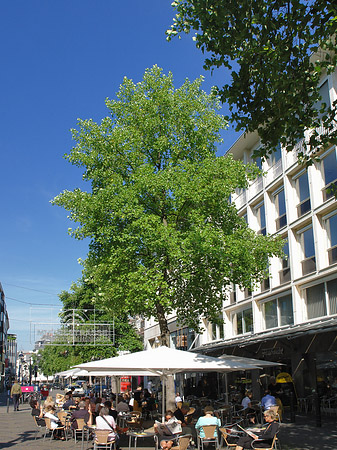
[(292, 316)]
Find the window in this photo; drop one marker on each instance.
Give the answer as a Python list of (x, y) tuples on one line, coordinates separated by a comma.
[(279, 312), (276, 155), (302, 188), (261, 218), (316, 305), (332, 294), (244, 321), (285, 271), (280, 205), (217, 331), (308, 247), (331, 228), (329, 165), (324, 93)]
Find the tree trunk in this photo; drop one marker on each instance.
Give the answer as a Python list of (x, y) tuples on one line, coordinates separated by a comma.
[(165, 341)]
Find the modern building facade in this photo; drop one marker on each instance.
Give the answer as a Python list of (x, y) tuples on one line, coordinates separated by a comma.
[(4, 326), (292, 316)]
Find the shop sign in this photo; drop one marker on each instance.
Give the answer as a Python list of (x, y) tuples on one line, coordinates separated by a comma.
[(272, 351)]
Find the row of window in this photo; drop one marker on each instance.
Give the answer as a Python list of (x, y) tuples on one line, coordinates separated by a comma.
[(320, 301)]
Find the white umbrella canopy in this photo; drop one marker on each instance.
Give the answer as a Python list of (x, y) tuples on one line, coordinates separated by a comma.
[(249, 361), (163, 361)]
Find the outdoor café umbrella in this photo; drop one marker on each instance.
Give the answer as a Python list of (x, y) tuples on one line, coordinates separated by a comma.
[(163, 362)]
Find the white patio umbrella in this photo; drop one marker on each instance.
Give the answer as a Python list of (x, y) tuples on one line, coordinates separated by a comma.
[(164, 361)]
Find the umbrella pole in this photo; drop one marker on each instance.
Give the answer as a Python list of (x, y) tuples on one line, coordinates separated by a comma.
[(226, 385)]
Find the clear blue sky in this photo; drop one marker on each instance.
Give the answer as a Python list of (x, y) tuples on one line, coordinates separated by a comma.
[(59, 61)]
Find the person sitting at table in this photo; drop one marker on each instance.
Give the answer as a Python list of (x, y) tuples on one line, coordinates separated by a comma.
[(37, 412), (266, 434), (81, 413), (268, 400), (69, 402), (55, 422), (207, 419), (165, 431), (49, 401), (106, 422), (246, 404), (112, 411), (122, 406)]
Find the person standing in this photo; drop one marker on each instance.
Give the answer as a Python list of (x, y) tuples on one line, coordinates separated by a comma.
[(16, 394)]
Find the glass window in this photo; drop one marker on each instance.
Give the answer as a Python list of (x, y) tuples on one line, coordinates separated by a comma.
[(302, 186), (244, 321), (330, 167), (332, 293), (280, 204), (308, 248), (285, 271), (261, 218), (276, 155), (331, 228), (279, 312), (316, 306), (286, 310), (258, 162), (324, 93), (270, 314)]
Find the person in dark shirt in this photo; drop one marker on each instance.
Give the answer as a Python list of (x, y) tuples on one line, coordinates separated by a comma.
[(266, 435), (112, 412), (69, 402), (81, 413), (37, 412)]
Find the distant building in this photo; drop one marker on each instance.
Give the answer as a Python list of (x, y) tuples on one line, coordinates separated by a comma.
[(11, 354), (4, 326)]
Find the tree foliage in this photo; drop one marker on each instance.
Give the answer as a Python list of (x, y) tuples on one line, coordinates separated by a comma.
[(56, 358), (269, 47), (164, 235)]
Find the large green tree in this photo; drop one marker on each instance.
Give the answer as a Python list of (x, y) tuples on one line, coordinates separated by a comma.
[(164, 234), (269, 48)]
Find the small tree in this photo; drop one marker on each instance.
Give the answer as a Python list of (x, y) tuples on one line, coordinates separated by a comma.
[(164, 235), (267, 45)]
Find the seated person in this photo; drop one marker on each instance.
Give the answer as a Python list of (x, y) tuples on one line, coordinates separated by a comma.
[(81, 413), (122, 405), (69, 402), (268, 400), (184, 415), (207, 419), (166, 436), (59, 400), (37, 412), (106, 422), (112, 411), (55, 422), (266, 434), (247, 406)]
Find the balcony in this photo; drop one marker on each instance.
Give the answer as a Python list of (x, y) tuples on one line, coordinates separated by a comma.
[(281, 222), (285, 275), (308, 265), (303, 207), (332, 252)]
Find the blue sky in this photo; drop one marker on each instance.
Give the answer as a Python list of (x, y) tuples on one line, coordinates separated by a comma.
[(60, 60)]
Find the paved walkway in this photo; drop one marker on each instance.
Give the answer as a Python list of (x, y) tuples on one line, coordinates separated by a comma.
[(17, 431)]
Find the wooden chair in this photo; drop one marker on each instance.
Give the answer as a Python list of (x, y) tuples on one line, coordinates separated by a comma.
[(210, 432), (224, 438), (101, 440), (39, 428), (63, 416), (273, 445), (51, 430), (81, 430), (183, 442)]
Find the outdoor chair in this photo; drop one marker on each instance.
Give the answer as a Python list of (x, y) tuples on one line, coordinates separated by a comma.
[(225, 439), (274, 445), (51, 430), (39, 428), (183, 442), (210, 431), (135, 423), (101, 440), (81, 430), (63, 416)]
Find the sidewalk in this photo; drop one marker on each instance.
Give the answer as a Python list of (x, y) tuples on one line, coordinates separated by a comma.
[(17, 432)]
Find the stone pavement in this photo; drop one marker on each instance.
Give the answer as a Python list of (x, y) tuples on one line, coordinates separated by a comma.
[(17, 432)]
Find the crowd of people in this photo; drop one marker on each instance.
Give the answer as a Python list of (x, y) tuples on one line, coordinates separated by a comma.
[(103, 413)]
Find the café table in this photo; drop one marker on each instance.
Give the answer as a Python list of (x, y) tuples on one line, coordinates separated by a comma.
[(138, 435)]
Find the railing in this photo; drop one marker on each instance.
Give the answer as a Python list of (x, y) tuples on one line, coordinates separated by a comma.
[(284, 275), (281, 222), (303, 207), (332, 252), (308, 265)]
